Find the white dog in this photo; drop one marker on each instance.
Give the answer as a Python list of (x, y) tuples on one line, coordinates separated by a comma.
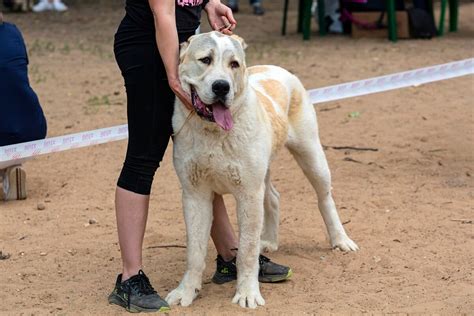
[(244, 117)]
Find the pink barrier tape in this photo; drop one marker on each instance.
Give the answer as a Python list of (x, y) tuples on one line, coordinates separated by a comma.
[(396, 81), (13, 154)]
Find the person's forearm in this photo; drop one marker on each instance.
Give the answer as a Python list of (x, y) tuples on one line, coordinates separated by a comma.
[(166, 35)]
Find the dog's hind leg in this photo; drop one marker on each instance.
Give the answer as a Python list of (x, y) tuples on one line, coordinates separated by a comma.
[(198, 217), (271, 219), (304, 144)]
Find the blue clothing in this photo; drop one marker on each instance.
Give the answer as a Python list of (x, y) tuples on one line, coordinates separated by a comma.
[(21, 116)]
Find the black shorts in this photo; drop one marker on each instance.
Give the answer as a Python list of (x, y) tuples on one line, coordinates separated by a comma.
[(150, 103)]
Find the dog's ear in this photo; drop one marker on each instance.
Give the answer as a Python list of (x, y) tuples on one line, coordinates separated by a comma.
[(1, 18), (240, 40), (183, 47)]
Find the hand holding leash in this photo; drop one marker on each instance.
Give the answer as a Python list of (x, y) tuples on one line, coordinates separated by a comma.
[(220, 17)]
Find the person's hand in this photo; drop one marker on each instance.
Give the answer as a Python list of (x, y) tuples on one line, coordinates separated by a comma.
[(220, 17), (175, 85)]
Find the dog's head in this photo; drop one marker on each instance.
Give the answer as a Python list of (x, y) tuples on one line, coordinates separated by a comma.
[(212, 69)]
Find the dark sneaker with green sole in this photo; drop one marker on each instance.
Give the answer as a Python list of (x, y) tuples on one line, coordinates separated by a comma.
[(269, 272), (137, 295)]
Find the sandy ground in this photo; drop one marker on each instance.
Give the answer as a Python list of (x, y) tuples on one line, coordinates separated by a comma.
[(402, 204)]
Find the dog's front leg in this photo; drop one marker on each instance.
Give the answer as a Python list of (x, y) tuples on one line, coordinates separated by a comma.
[(197, 208), (250, 217)]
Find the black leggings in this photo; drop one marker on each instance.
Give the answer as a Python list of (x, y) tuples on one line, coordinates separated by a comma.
[(150, 103)]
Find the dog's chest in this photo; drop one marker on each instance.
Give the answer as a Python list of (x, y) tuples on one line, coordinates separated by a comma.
[(221, 164), (214, 169)]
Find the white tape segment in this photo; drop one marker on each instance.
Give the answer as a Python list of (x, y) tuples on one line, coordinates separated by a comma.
[(14, 154), (396, 81)]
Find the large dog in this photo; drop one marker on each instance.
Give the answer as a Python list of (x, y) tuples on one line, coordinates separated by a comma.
[(244, 115)]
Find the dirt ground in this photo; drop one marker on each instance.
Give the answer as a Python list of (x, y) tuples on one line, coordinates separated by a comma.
[(403, 204)]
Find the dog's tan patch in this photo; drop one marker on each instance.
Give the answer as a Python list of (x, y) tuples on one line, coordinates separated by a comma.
[(277, 91), (257, 69), (279, 123), (295, 105)]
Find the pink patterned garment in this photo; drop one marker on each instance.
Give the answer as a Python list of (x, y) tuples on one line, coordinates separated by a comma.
[(189, 3)]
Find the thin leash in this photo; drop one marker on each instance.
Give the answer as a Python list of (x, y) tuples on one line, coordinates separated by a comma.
[(181, 128)]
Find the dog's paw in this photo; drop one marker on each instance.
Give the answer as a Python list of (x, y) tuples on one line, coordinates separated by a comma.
[(248, 298), (344, 243), (182, 295)]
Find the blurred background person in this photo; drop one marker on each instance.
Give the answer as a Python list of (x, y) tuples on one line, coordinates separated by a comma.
[(21, 116), (256, 5)]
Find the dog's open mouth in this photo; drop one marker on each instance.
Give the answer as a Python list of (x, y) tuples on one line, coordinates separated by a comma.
[(216, 112)]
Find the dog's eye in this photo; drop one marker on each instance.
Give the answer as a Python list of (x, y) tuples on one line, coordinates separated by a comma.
[(205, 60), (234, 64)]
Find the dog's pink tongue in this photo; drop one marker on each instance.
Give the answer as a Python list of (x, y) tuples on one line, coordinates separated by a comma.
[(222, 116)]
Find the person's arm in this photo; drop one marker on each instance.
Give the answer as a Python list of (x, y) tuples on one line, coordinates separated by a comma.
[(168, 44), (220, 17)]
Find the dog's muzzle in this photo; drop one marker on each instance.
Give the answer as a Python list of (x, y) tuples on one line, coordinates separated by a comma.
[(216, 112)]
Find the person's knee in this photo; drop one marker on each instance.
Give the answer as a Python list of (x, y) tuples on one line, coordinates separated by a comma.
[(137, 174)]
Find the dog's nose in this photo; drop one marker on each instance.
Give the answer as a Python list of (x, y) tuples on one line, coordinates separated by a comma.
[(220, 88)]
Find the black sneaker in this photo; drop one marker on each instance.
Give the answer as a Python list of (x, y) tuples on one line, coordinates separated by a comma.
[(137, 295), (269, 272)]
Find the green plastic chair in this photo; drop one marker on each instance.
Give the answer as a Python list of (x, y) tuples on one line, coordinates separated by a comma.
[(304, 17), (453, 16)]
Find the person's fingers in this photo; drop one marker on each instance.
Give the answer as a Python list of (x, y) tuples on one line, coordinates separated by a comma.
[(226, 28), (227, 32), (230, 16), (223, 29)]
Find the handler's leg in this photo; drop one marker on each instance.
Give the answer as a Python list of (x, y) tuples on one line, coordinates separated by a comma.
[(132, 211), (222, 232), (133, 289), (149, 110)]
